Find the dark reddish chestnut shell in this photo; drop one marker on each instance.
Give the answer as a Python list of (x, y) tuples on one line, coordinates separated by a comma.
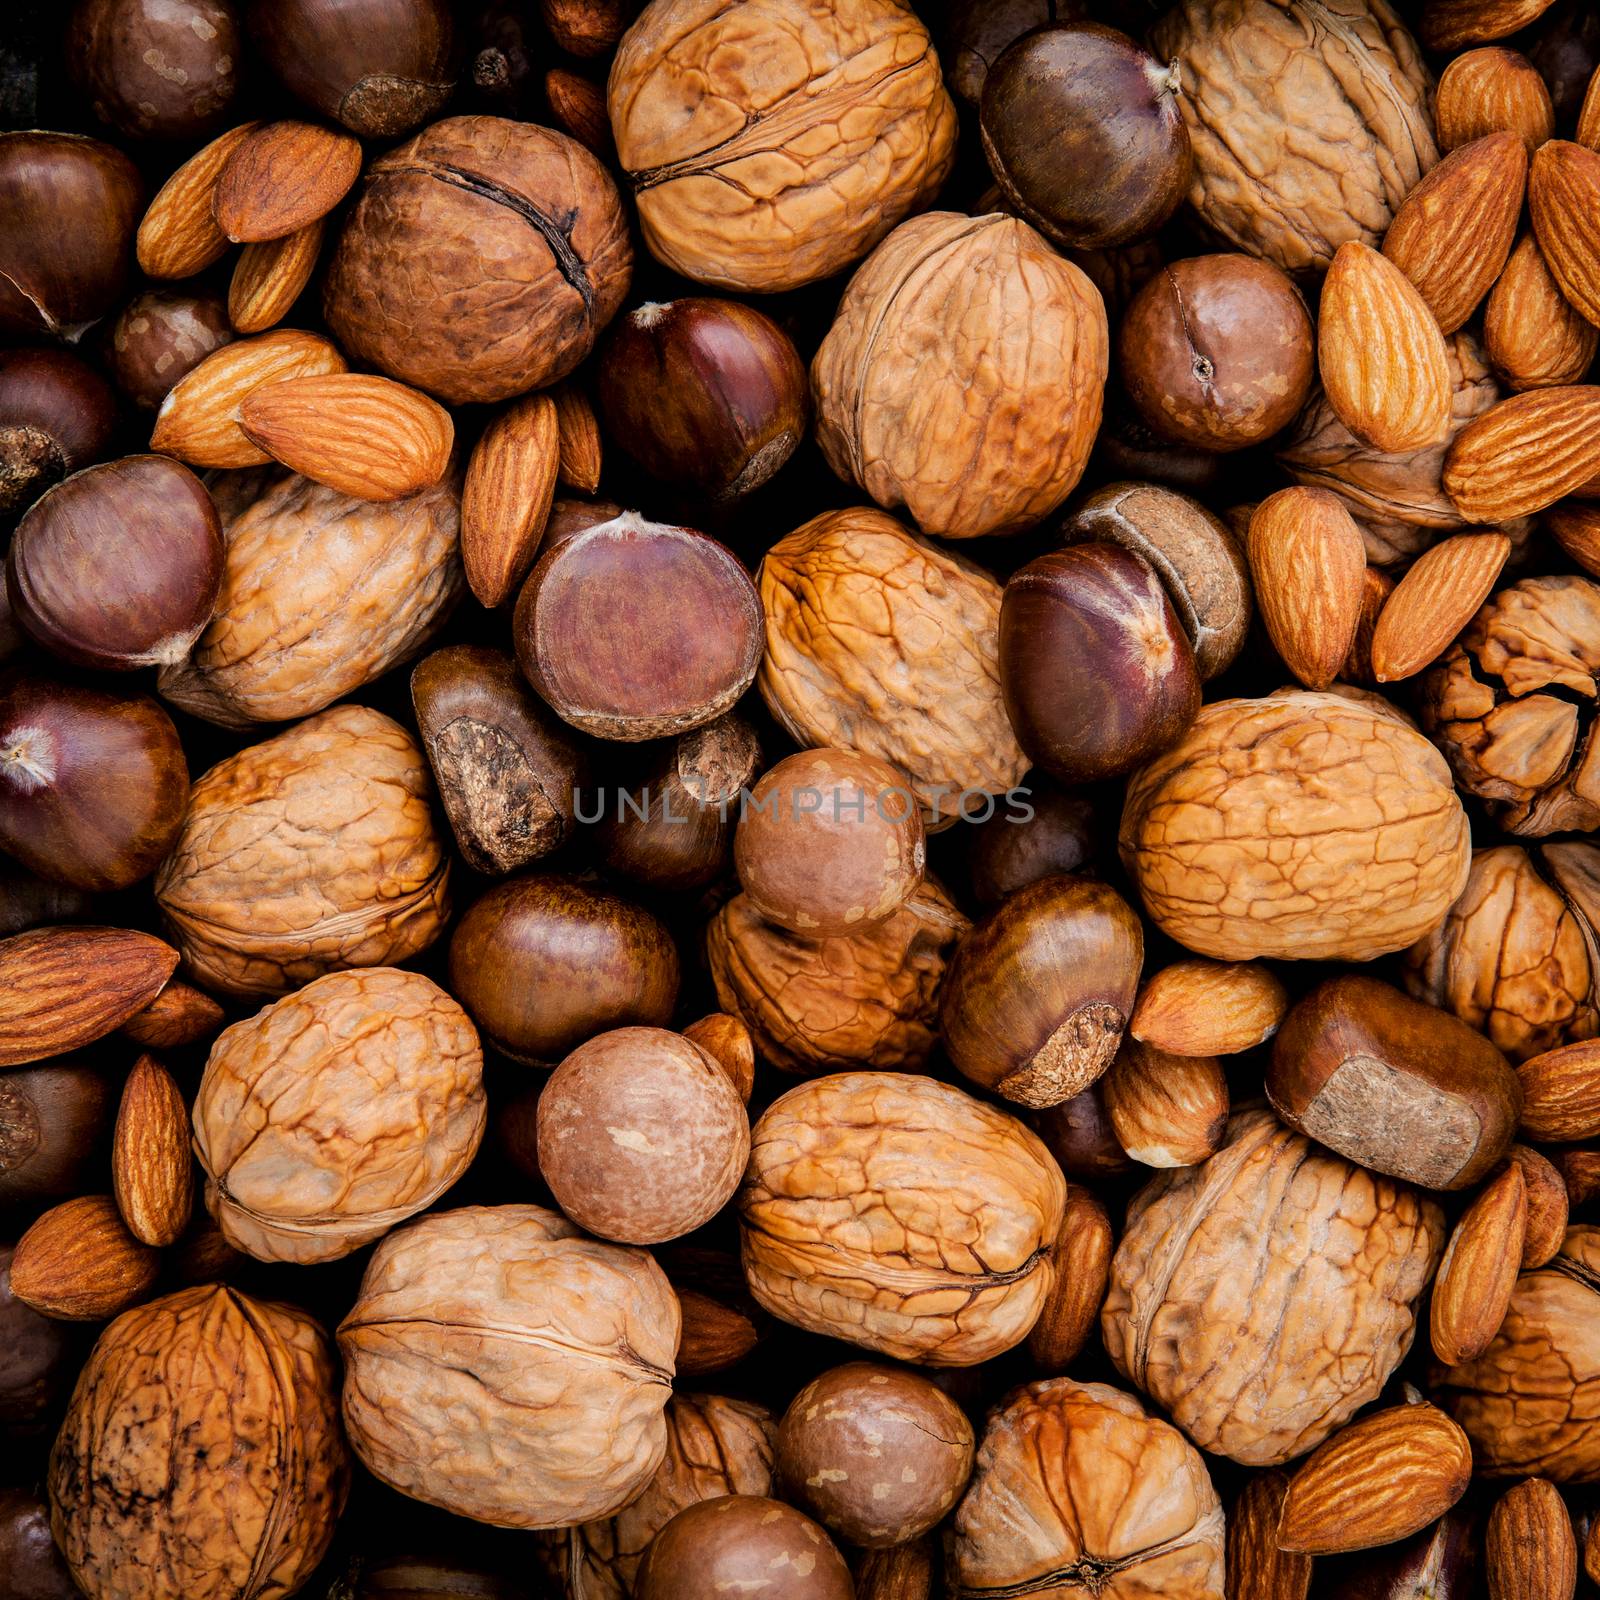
[(56, 415), (161, 336)]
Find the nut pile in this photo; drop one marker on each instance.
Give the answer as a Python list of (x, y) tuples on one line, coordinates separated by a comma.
[(799, 799)]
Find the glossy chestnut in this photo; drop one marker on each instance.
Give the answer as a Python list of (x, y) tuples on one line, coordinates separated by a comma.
[(55, 1124), (977, 32), (1011, 850), (56, 416), (34, 1567)]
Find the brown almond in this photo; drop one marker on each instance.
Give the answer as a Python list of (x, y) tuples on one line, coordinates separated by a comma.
[(511, 484), (1564, 202), (268, 278), (283, 177), (1534, 337), (368, 437), (1376, 587), (62, 988), (1479, 1270), (1525, 454), (1561, 1093), (1529, 1549), (1575, 526), (714, 1335), (1166, 1110), (152, 1172), (1209, 1008), (1488, 89), (1381, 354), (1455, 230), (1548, 1209), (1449, 24), (1591, 1552), (727, 1041), (1588, 133), (79, 1263), (179, 1015), (1309, 568), (1375, 1482), (579, 434), (1256, 1568), (1439, 595), (1580, 1173), (901, 1572), (580, 107), (1081, 1260), (178, 235), (199, 420)]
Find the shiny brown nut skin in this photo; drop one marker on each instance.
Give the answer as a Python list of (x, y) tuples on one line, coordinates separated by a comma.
[(406, 291), (1078, 1133), (428, 1577), (68, 209), (56, 416), (875, 1453), (977, 32), (1217, 351), (161, 336), (28, 1555), (642, 1136), (1083, 133), (55, 1128), (381, 67), (1013, 848), (37, 1355), (830, 842), (153, 70), (543, 963), (1097, 671), (1040, 991), (508, 771), (733, 1545), (706, 395), (29, 901), (682, 649), (93, 785), (118, 567)]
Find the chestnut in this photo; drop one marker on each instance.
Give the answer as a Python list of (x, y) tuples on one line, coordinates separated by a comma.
[(734, 1545), (161, 336), (29, 901), (1038, 994), (154, 70), (707, 395), (1084, 135), (381, 67), (830, 843), (543, 963), (35, 1356), (634, 630), (1079, 1135), (118, 566), (1218, 351), (68, 208), (93, 785), (55, 1124), (1097, 672), (56, 415), (1011, 850), (34, 1567), (977, 32)]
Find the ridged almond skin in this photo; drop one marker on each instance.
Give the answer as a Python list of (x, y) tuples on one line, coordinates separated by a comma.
[(1488, 89), (714, 1335), (152, 1173), (268, 278), (1452, 236), (79, 1263), (64, 987), (1376, 587), (1575, 526), (579, 433), (199, 420), (728, 1042), (1525, 454), (179, 1015), (1591, 1552), (281, 177), (1257, 1568), (1561, 1093), (1450, 24), (1439, 595), (1166, 1110), (1548, 1209), (1479, 1270), (1564, 202), (1082, 1260), (510, 486), (1381, 354), (1588, 133), (365, 436), (1580, 1172), (1375, 1482), (1534, 337), (1529, 1550), (1209, 1008), (1309, 567), (178, 235)]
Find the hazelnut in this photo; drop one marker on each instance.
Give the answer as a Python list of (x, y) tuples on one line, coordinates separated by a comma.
[(733, 1545), (37, 1354), (56, 416), (1011, 849), (55, 1131), (160, 336), (33, 1565)]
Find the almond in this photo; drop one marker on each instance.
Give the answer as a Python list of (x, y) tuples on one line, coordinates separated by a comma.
[(901, 1572), (179, 1015), (1564, 202), (727, 1041), (1081, 1261), (152, 1172), (1257, 1569), (199, 420), (79, 1263), (268, 278), (511, 484), (1561, 1093), (1588, 133), (1486, 90), (1381, 354), (62, 988), (1547, 1207), (1375, 1482), (1525, 454), (1209, 1008), (1575, 526), (281, 178), (714, 1335), (1376, 587), (1591, 1552), (580, 107), (368, 437), (179, 235), (1534, 337), (1449, 24), (1479, 1270), (1439, 595), (1309, 567), (1529, 1549), (1165, 1110), (1452, 236), (579, 432), (1580, 1173)]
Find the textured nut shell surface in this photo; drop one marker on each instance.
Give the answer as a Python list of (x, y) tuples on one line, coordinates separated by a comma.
[(1209, 1008), (1485, 90), (1527, 453), (152, 1171)]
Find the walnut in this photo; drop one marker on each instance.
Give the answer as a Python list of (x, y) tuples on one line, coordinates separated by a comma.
[(714, 1447), (1263, 1297), (201, 1454), (1076, 1489), (964, 375), (1531, 1402), (339, 1111), (502, 1365), (900, 1214), (312, 851), (879, 641), (1335, 90), (819, 1005), (1304, 826), (772, 143), (321, 594)]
